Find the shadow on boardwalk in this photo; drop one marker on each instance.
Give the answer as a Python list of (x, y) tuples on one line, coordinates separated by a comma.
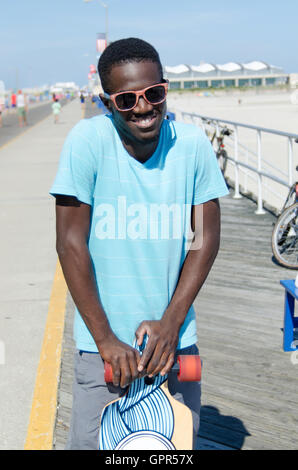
[(218, 431)]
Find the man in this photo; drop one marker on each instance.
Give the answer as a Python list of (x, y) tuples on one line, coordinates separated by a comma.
[(129, 185), (22, 109)]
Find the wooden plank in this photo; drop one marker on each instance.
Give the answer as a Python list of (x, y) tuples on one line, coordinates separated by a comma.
[(248, 381)]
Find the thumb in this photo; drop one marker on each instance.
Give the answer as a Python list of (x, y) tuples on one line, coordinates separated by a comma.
[(141, 332)]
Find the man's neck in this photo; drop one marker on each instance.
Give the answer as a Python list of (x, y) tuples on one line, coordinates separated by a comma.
[(142, 152)]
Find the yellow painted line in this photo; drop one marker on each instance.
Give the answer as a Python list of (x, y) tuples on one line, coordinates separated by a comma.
[(40, 432), (41, 427)]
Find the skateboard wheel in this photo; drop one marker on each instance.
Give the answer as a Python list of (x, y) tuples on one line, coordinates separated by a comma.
[(190, 368), (108, 373)]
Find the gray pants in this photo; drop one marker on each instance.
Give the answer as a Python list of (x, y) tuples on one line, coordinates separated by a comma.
[(91, 394)]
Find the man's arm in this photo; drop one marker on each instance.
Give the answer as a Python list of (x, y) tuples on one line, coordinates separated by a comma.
[(158, 356), (72, 227)]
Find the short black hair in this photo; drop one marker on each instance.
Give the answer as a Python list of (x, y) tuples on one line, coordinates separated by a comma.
[(125, 51)]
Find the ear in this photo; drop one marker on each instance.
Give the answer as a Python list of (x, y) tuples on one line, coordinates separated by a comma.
[(106, 102)]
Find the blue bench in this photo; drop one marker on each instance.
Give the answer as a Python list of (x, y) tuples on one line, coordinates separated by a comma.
[(290, 321)]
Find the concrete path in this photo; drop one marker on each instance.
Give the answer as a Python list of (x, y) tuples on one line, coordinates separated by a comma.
[(36, 113), (28, 260)]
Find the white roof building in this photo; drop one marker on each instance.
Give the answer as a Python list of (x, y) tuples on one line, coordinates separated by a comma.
[(229, 74), (221, 69)]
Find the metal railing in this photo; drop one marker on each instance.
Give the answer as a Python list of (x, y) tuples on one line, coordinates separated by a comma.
[(253, 161)]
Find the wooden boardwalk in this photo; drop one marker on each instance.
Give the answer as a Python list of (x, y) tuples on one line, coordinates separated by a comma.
[(249, 385)]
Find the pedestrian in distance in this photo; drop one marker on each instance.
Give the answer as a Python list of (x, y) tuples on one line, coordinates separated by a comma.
[(56, 108), (7, 106), (21, 109), (133, 276), (83, 105), (93, 100), (13, 100), (2, 108)]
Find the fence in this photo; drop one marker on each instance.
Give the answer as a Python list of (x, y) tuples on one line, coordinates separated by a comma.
[(260, 161)]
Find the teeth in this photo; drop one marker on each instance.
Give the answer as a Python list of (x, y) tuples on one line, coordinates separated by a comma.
[(145, 122)]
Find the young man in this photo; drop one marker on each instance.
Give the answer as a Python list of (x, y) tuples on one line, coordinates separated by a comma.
[(129, 185)]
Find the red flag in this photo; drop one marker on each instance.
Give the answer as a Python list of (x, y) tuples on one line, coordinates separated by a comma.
[(101, 42)]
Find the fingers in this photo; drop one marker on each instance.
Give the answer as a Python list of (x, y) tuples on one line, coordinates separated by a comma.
[(143, 330), (160, 364), (125, 368), (156, 359), (169, 364), (146, 356), (158, 355)]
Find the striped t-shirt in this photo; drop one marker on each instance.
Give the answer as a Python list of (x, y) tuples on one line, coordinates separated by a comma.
[(140, 224)]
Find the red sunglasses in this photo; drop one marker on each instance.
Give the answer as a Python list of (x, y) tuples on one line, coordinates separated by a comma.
[(127, 100)]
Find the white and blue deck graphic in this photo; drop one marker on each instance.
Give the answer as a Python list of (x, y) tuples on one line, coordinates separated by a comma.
[(141, 419)]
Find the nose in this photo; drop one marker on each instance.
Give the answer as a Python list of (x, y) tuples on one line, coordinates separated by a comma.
[(142, 106)]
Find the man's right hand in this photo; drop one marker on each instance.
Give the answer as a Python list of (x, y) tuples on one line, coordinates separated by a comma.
[(123, 359)]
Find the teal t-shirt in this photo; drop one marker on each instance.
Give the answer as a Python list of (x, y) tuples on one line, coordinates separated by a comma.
[(140, 226), (56, 107)]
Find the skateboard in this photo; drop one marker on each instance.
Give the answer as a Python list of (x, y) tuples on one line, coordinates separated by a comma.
[(147, 417)]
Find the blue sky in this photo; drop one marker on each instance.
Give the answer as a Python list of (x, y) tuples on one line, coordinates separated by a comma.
[(45, 41)]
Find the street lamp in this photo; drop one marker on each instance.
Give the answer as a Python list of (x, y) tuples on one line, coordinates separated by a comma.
[(106, 7)]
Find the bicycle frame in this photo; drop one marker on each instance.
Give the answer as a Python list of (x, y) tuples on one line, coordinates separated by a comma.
[(293, 191), (219, 137)]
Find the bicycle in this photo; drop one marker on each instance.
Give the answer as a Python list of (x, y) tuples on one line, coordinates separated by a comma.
[(220, 151), (285, 232)]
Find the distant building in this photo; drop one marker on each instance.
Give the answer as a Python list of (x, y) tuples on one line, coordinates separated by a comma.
[(64, 87), (232, 74), (294, 80)]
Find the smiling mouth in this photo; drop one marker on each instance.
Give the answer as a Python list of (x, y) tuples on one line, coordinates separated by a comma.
[(144, 122)]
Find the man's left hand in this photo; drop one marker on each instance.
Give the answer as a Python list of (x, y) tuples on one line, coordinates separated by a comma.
[(159, 353)]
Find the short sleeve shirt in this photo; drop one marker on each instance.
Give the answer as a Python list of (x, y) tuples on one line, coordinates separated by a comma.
[(140, 226)]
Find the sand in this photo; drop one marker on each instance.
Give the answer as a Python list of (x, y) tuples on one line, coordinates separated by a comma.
[(268, 109)]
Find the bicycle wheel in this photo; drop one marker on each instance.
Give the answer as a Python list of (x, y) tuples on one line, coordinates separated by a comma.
[(285, 238)]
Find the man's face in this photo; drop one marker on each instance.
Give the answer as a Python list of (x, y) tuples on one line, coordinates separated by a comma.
[(142, 124)]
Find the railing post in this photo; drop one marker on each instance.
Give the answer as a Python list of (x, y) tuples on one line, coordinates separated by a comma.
[(237, 194), (237, 162), (203, 125), (260, 210), (245, 174), (290, 162)]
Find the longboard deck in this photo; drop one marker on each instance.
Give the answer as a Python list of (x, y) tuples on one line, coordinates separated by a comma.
[(146, 418)]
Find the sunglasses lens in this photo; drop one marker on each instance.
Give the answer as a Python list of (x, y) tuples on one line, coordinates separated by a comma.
[(126, 101), (155, 94)]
